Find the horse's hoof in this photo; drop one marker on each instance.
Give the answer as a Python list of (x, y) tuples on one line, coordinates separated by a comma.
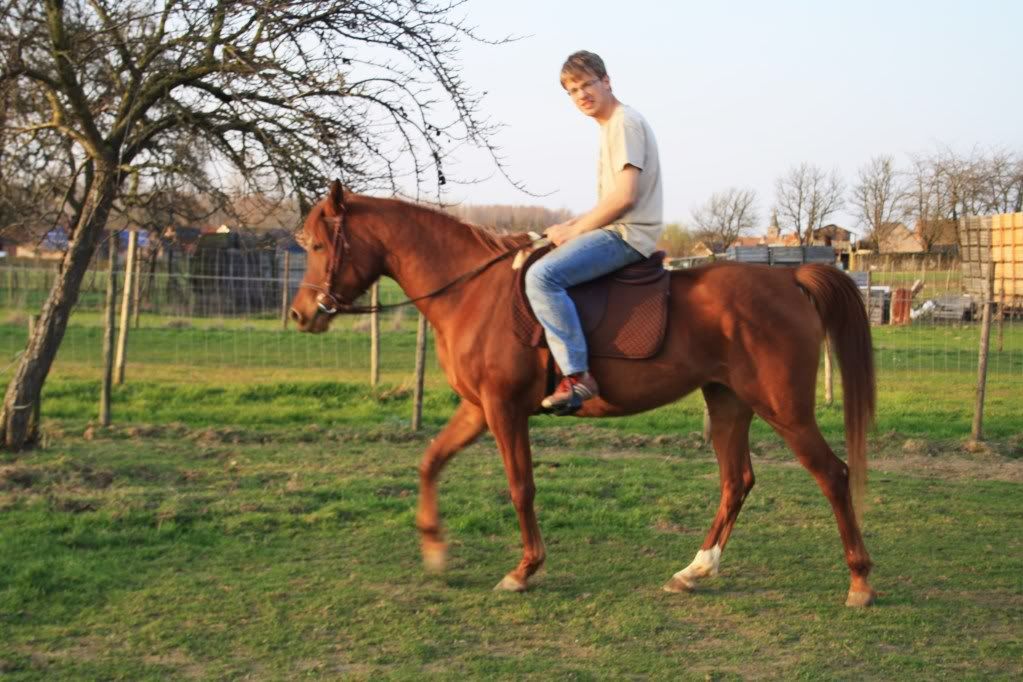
[(435, 558), (859, 599), (510, 584), (677, 584)]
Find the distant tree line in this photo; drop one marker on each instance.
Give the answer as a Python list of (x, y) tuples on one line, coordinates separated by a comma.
[(924, 195)]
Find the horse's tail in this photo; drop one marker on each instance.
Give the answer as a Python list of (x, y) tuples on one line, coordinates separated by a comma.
[(840, 306)]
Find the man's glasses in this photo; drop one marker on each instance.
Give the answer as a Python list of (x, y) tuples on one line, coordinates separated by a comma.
[(587, 86)]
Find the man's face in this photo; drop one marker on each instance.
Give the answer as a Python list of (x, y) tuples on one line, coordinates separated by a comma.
[(590, 94)]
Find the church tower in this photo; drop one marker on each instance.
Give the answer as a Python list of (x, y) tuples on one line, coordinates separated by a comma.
[(773, 231)]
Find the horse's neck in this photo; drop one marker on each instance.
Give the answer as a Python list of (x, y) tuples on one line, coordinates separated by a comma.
[(426, 250)]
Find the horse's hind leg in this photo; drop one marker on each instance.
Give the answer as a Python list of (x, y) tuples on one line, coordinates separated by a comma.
[(729, 428), (832, 475), (462, 429)]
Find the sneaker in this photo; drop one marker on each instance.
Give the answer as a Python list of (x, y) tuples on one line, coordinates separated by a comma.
[(570, 394)]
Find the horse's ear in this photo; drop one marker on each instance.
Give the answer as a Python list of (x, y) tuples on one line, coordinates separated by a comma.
[(336, 196)]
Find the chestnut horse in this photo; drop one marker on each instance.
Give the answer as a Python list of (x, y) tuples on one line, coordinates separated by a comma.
[(748, 336)]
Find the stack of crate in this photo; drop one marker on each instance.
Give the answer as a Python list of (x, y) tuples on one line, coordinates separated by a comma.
[(975, 240), (1007, 256)]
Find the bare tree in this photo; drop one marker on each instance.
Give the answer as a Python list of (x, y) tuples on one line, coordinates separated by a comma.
[(726, 215), (121, 98), (1000, 181), (927, 204), (806, 196), (960, 180), (676, 240), (880, 198)]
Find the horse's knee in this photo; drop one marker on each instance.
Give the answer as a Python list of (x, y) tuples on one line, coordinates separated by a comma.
[(522, 496), (748, 480)]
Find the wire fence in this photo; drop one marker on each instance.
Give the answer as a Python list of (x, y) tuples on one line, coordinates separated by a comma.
[(189, 327), (191, 321)]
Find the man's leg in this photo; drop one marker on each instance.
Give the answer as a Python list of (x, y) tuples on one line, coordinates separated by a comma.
[(580, 260)]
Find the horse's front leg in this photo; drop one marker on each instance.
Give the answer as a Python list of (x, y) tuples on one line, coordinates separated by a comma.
[(462, 429), (510, 426)]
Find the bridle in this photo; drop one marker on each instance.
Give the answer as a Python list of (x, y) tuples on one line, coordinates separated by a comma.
[(327, 301), (330, 303)]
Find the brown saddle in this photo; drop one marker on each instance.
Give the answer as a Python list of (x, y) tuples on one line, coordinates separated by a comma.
[(624, 314)]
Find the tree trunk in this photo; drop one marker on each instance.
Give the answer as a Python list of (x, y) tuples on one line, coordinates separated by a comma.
[(27, 382)]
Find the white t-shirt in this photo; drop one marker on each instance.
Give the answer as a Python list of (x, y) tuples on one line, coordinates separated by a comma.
[(626, 139)]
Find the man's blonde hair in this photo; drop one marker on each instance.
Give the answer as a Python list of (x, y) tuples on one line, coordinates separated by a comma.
[(582, 63)]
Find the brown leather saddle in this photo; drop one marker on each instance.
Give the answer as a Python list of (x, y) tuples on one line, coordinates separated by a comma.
[(624, 314)]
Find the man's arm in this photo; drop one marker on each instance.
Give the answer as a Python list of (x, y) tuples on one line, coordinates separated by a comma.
[(609, 209)]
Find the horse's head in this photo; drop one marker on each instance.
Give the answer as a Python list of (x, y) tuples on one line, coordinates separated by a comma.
[(339, 266)]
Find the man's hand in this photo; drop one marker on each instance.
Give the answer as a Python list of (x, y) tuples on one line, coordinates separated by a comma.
[(561, 233)]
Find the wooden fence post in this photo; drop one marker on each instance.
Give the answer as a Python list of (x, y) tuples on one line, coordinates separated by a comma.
[(122, 337), (417, 396), (870, 298), (374, 336), (706, 424), (977, 432), (285, 289), (136, 293), (108, 333)]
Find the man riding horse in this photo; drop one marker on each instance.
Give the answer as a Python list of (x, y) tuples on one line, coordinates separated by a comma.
[(621, 229)]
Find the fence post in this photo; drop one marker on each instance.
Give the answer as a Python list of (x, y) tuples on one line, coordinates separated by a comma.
[(417, 396), (122, 337), (108, 333), (977, 432), (829, 392), (706, 424), (1001, 320), (285, 289), (374, 335), (136, 293), (870, 297)]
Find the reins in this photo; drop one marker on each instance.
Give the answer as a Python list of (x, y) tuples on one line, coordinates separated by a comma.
[(330, 303)]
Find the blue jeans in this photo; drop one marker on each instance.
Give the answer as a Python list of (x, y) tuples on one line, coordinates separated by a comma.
[(582, 259)]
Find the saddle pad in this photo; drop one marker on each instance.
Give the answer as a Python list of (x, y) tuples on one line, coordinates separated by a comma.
[(624, 314)]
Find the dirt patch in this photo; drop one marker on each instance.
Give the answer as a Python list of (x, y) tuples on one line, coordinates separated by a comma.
[(665, 526), (16, 477)]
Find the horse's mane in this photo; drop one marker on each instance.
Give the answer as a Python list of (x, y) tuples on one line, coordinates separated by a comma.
[(431, 217)]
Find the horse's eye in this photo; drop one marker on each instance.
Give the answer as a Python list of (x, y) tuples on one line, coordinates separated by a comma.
[(317, 247)]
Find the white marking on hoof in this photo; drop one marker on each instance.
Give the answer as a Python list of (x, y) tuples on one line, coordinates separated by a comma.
[(860, 599), (435, 558), (510, 584), (704, 565)]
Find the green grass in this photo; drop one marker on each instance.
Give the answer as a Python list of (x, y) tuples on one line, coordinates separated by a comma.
[(180, 553)]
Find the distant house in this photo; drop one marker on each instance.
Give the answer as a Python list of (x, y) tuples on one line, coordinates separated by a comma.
[(899, 239), (13, 238), (937, 235), (832, 235), (750, 241), (704, 249), (184, 238), (52, 246)]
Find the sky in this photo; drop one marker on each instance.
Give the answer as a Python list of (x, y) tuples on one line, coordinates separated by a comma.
[(738, 92)]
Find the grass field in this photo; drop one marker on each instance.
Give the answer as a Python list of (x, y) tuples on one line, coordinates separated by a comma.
[(190, 553), (250, 516)]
